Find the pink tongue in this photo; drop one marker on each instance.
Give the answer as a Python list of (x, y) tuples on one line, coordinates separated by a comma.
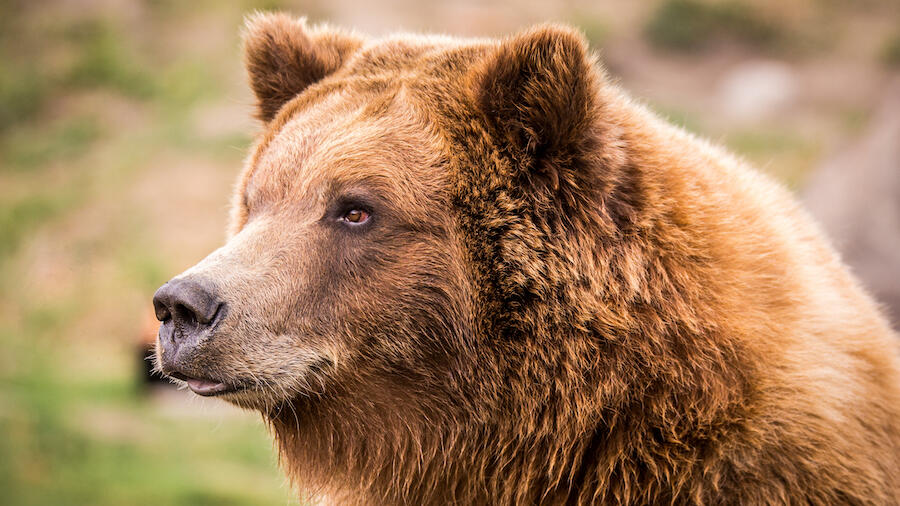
[(204, 387)]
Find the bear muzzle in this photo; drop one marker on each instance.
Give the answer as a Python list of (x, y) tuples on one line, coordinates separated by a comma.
[(189, 311)]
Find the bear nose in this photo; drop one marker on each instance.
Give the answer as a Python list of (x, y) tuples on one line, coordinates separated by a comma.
[(189, 311), (188, 303)]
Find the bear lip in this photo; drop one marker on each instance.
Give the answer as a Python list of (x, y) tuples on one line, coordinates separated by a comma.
[(205, 387)]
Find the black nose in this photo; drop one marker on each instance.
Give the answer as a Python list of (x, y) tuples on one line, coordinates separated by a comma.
[(189, 305)]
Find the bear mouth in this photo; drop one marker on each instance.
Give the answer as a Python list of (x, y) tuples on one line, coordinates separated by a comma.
[(206, 387)]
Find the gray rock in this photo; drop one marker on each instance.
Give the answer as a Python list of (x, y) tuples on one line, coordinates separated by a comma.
[(756, 89), (856, 197)]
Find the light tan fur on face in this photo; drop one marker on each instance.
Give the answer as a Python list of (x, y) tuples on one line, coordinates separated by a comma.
[(562, 299), (334, 143)]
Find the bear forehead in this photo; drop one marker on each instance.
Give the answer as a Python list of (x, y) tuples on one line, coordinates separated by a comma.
[(350, 137), (423, 65), (374, 121), (415, 57)]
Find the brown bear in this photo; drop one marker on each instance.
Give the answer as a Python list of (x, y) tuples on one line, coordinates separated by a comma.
[(477, 272)]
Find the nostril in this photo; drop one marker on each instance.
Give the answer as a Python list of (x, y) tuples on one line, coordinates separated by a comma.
[(197, 315), (185, 315), (188, 303), (161, 301), (162, 312)]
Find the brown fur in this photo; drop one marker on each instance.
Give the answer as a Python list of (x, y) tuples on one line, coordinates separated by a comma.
[(561, 298)]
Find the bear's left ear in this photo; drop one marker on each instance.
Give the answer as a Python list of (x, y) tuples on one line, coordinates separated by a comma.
[(283, 57), (536, 93)]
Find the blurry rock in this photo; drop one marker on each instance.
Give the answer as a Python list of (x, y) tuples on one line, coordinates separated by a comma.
[(856, 197), (757, 89)]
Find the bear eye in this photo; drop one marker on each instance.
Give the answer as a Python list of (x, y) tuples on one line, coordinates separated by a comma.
[(355, 217)]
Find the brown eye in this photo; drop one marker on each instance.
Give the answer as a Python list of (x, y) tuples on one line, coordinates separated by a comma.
[(356, 216)]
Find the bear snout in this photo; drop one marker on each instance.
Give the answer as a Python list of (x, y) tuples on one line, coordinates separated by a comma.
[(189, 310), (186, 300)]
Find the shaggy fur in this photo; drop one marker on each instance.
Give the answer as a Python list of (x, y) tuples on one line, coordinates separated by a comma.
[(558, 298)]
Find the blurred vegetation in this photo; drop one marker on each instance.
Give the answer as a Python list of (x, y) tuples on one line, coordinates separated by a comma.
[(31, 148), (595, 28), (785, 154), (86, 99), (97, 442), (695, 24), (104, 62), (891, 52), (22, 93)]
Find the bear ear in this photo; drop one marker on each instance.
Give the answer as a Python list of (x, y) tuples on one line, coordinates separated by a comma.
[(283, 57), (536, 92)]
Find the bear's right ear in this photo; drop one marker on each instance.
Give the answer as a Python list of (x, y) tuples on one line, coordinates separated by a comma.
[(283, 57)]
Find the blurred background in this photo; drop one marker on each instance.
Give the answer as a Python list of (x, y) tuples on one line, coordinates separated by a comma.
[(123, 124)]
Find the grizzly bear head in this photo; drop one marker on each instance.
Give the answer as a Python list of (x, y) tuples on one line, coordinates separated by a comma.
[(408, 200)]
